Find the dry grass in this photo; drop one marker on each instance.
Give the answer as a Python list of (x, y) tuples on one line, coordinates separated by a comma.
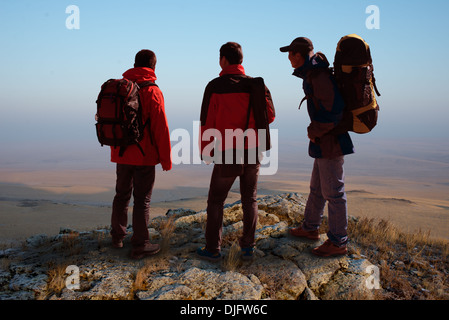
[(142, 276), (71, 244), (160, 262), (167, 229), (412, 265), (232, 259), (56, 280)]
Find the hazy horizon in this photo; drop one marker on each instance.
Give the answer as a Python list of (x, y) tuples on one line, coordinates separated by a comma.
[(406, 159)]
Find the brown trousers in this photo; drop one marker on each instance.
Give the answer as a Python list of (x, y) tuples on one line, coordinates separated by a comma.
[(223, 177), (139, 182)]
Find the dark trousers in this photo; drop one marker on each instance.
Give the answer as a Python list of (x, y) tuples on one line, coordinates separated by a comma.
[(223, 177), (327, 184), (137, 181)]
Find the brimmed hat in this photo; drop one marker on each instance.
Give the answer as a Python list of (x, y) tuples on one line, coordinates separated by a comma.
[(301, 44)]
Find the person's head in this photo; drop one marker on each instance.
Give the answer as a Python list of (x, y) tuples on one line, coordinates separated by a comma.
[(145, 59), (298, 51), (231, 53)]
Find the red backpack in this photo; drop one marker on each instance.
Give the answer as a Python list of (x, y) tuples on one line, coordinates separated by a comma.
[(119, 114)]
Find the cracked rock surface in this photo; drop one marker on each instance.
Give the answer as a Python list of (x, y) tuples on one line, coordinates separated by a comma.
[(283, 267)]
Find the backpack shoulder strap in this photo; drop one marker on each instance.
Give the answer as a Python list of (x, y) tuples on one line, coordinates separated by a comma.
[(257, 91), (147, 84), (310, 76), (147, 123), (375, 87)]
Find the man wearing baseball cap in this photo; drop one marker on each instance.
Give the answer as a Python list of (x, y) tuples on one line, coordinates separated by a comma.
[(302, 44), (325, 107)]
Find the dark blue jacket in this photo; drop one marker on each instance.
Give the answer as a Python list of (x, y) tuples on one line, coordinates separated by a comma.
[(325, 107)]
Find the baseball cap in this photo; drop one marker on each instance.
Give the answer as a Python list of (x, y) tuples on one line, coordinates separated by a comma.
[(301, 44)]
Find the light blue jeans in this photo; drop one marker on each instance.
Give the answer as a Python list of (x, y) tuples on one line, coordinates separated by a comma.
[(328, 184)]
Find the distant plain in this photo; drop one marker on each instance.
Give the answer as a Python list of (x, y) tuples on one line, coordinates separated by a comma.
[(406, 183)]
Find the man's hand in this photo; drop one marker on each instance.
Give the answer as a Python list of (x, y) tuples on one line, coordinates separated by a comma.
[(311, 138)]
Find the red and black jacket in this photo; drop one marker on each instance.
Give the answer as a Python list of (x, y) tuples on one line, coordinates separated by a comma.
[(226, 109), (156, 141)]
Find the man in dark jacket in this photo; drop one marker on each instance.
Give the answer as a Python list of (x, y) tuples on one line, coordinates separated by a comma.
[(325, 107), (225, 121)]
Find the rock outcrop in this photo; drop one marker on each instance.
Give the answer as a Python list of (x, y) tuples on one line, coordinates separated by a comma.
[(81, 265)]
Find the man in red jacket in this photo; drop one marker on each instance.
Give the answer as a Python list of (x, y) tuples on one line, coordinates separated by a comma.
[(136, 170), (225, 117)]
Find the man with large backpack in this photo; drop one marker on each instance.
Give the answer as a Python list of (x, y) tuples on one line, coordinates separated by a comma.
[(325, 106), (235, 116), (136, 159)]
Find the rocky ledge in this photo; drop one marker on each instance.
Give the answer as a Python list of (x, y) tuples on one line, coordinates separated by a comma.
[(78, 265)]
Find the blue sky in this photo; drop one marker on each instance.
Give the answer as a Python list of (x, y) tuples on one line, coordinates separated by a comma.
[(51, 75)]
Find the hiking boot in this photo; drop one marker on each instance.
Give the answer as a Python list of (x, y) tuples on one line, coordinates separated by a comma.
[(301, 233), (328, 249), (203, 253), (247, 253), (117, 243), (145, 251)]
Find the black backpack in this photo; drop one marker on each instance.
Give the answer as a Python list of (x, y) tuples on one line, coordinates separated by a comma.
[(257, 103), (354, 74), (119, 114)]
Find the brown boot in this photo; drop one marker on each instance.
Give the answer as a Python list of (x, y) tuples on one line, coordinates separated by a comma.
[(301, 233), (145, 251), (328, 249)]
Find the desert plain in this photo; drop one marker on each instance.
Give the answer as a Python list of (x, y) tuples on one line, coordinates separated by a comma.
[(406, 184)]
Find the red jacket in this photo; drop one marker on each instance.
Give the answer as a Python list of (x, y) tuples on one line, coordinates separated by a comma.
[(225, 106), (152, 102)]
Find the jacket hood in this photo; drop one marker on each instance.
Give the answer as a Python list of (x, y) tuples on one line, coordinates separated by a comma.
[(318, 60), (140, 74)]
